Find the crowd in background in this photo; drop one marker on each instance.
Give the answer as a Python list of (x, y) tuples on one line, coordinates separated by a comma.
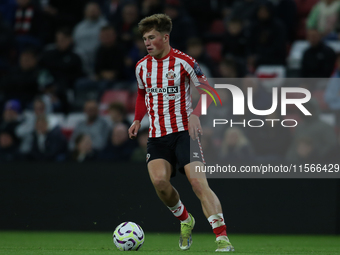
[(61, 57)]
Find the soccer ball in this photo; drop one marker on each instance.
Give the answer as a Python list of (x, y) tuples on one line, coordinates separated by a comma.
[(128, 236)]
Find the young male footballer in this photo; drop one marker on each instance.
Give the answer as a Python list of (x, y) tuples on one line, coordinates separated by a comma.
[(163, 78)]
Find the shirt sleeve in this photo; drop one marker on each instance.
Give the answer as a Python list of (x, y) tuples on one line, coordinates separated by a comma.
[(202, 85), (140, 108)]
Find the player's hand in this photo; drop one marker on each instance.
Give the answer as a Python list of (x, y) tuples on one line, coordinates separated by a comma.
[(133, 130), (194, 126)]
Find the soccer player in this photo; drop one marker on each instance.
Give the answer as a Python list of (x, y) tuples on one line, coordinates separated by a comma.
[(163, 78)]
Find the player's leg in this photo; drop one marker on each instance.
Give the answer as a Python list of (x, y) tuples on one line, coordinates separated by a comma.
[(210, 203), (161, 160), (211, 206), (160, 174)]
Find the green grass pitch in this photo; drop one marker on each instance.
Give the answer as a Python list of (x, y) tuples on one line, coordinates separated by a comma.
[(50, 243)]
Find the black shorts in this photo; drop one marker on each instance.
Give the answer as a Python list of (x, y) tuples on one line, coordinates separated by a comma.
[(175, 148)]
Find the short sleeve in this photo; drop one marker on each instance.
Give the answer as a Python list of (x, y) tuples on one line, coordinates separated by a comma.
[(196, 74), (139, 72)]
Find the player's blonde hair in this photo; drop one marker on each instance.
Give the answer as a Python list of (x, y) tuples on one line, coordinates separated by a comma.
[(160, 22)]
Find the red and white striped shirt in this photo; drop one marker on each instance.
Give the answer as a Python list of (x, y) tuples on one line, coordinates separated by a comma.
[(165, 83)]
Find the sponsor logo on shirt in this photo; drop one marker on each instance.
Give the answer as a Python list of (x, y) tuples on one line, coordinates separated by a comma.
[(172, 97), (166, 90)]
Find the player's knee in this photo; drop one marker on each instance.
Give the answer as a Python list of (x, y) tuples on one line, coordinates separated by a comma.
[(197, 187), (160, 184)]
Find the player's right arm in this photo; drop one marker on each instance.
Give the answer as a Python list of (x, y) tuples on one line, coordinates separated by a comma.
[(140, 111), (133, 130)]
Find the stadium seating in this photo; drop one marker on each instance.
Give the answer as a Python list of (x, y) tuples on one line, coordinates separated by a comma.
[(271, 76), (121, 96), (217, 27), (82, 95), (319, 96), (294, 116), (303, 9), (56, 119), (70, 123), (329, 118), (291, 108), (131, 107), (299, 47), (214, 50)]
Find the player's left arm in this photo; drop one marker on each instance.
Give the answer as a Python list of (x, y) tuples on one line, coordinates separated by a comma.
[(202, 85), (195, 127)]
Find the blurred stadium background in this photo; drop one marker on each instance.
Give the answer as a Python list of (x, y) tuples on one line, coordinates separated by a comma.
[(67, 95)]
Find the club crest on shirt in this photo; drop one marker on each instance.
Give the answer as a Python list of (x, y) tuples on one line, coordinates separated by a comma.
[(148, 74), (170, 75)]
